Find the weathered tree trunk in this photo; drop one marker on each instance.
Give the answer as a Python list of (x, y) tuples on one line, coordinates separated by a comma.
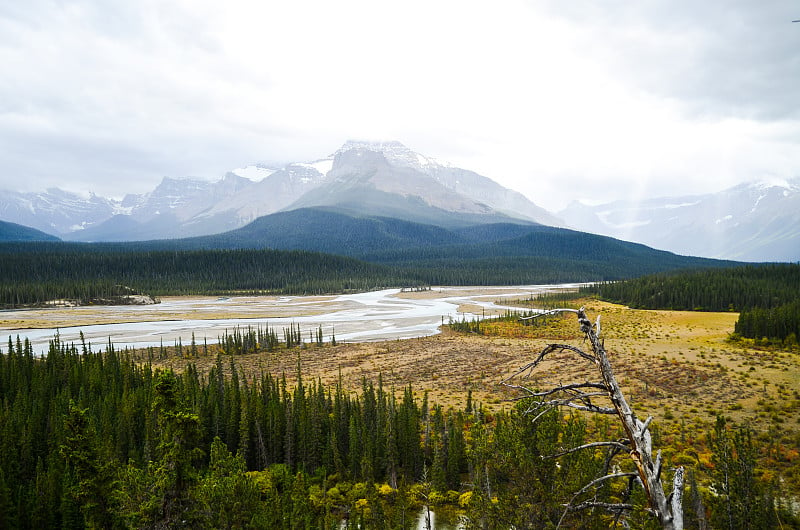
[(639, 435), (667, 510)]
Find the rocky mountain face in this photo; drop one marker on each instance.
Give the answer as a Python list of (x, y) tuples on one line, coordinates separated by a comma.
[(750, 222), (55, 211), (463, 182), (386, 179)]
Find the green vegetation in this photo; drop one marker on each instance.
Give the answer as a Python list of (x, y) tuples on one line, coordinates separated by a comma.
[(728, 289), (16, 232), (35, 273), (777, 325), (768, 297), (93, 439)]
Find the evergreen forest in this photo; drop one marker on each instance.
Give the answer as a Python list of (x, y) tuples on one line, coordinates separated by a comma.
[(766, 296), (92, 439), (33, 273)]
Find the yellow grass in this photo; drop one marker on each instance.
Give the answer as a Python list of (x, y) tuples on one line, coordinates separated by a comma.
[(676, 366), (672, 364)]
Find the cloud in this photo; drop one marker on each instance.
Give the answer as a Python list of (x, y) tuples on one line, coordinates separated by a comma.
[(559, 100), (720, 58)]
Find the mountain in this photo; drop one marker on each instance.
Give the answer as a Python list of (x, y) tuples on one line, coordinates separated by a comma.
[(55, 211), (391, 167), (329, 231), (384, 179), (175, 208), (16, 232), (363, 182), (485, 253), (361, 178), (749, 222), (275, 192)]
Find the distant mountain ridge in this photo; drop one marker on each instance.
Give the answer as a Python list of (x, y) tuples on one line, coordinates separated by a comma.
[(467, 183), (55, 211), (361, 178), (749, 222), (16, 232), (757, 221), (486, 254)]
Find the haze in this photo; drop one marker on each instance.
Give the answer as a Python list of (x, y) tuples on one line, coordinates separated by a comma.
[(558, 100)]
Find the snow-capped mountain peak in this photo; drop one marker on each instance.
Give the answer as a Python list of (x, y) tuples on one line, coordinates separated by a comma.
[(777, 182), (368, 178), (395, 153), (753, 221), (322, 166)]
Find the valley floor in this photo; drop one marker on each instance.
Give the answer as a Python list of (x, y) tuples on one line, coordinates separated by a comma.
[(676, 366)]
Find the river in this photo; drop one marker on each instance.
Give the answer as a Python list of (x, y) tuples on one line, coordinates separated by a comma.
[(372, 316)]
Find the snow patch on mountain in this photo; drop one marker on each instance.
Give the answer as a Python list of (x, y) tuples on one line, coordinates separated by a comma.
[(395, 153), (320, 166), (756, 221), (777, 182), (681, 205), (255, 173), (186, 206), (760, 198)]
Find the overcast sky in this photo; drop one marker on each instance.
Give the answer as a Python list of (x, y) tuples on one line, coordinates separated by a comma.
[(591, 100)]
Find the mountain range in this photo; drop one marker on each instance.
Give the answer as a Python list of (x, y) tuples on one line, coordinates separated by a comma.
[(758, 221), (385, 184), (360, 178)]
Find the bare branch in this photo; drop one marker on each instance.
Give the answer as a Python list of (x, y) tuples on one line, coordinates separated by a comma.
[(585, 408), (601, 479), (591, 504), (639, 440), (619, 445), (551, 348), (549, 313), (562, 388), (606, 505)]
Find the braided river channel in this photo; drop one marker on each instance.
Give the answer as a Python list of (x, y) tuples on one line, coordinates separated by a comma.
[(372, 316)]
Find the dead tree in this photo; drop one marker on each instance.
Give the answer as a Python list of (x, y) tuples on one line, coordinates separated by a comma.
[(636, 443)]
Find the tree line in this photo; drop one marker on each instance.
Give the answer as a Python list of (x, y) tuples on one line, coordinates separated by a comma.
[(766, 296), (35, 273)]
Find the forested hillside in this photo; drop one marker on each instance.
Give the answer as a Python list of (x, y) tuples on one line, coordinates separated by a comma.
[(17, 232), (33, 274), (487, 247), (541, 251), (767, 296), (92, 439), (327, 231), (390, 253)]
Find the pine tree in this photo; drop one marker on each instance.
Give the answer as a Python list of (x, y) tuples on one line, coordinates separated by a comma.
[(175, 474), (229, 497), (90, 478), (742, 501)]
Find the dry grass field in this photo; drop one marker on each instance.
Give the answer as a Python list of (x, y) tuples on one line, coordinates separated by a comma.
[(677, 366)]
